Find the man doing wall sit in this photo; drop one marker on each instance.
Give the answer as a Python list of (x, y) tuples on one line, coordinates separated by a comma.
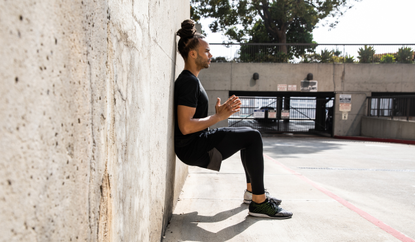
[(197, 145)]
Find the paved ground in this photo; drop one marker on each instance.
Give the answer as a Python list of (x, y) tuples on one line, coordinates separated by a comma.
[(338, 190)]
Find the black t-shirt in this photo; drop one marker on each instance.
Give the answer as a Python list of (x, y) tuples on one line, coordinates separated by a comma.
[(193, 148), (188, 91)]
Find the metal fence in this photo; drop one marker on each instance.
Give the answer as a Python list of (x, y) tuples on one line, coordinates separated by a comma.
[(312, 53), (300, 114), (394, 107)]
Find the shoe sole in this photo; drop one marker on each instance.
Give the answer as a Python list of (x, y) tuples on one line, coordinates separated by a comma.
[(261, 215)]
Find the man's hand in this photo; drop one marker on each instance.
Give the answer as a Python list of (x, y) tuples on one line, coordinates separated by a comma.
[(231, 106), (189, 125)]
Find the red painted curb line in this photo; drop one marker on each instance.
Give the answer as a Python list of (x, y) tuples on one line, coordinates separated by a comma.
[(350, 206), (408, 142)]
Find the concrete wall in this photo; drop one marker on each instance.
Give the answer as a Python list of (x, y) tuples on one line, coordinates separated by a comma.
[(359, 80), (388, 129), (86, 121)]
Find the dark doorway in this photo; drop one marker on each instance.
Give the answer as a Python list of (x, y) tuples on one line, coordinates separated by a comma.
[(281, 112)]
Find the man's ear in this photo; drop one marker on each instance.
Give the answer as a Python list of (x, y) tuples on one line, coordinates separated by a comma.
[(192, 53)]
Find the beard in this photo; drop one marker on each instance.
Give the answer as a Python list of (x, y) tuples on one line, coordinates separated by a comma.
[(201, 62)]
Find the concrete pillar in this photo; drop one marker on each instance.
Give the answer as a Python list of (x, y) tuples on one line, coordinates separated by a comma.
[(352, 125)]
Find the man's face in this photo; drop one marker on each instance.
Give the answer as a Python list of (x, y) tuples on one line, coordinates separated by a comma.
[(203, 54)]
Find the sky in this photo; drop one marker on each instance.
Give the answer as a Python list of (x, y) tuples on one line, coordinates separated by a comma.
[(373, 22), (368, 22)]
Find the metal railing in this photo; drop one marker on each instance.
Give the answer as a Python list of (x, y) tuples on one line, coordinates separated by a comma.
[(393, 107), (312, 53)]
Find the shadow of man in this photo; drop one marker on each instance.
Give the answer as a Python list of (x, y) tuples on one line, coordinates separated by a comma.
[(186, 227)]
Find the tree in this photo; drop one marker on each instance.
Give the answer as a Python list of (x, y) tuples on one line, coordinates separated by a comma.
[(281, 20), (273, 53)]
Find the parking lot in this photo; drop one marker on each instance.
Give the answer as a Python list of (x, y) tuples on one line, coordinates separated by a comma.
[(338, 190)]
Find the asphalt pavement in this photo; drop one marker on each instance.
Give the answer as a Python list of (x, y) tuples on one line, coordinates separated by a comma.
[(338, 190)]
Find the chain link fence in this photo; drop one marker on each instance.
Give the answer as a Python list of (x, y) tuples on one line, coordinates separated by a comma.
[(312, 53)]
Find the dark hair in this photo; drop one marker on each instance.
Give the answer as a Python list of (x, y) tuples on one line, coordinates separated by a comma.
[(189, 38)]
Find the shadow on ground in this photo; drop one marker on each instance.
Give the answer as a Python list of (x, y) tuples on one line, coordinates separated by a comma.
[(194, 232)]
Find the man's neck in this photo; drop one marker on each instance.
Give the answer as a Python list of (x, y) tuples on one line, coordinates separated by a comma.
[(192, 68)]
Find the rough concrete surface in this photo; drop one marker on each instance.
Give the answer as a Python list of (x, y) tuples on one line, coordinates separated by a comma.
[(86, 119), (337, 190)]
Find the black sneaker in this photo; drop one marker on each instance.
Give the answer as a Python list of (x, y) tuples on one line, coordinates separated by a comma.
[(268, 209)]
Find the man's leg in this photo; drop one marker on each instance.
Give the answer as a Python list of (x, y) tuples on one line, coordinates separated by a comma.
[(256, 198), (249, 141)]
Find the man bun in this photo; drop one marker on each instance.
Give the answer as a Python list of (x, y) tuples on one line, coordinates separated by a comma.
[(189, 38), (188, 29)]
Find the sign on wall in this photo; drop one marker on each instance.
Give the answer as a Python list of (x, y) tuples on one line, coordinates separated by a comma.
[(292, 87), (259, 113), (345, 103), (285, 114), (272, 114), (282, 87), (309, 86), (345, 115)]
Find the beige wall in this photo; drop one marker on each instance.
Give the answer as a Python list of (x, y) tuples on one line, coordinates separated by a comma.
[(86, 119), (330, 77), (388, 129), (359, 80)]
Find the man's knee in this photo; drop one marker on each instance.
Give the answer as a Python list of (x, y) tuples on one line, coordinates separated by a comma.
[(255, 134)]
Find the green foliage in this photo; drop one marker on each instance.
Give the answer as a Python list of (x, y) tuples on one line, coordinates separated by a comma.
[(337, 52), (405, 55), (388, 58), (337, 59), (377, 58), (349, 59), (311, 58), (366, 54), (219, 59), (280, 53), (326, 56), (249, 53), (282, 21)]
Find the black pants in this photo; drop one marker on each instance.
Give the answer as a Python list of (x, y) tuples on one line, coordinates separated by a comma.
[(249, 142)]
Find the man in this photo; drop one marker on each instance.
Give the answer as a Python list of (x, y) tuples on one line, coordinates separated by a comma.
[(196, 145)]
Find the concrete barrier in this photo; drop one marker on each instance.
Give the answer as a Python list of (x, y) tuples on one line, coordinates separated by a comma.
[(86, 119), (388, 129)]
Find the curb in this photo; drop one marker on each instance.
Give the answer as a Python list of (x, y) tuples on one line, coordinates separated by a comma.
[(408, 142)]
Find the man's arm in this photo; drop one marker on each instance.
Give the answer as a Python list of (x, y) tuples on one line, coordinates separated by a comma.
[(189, 125)]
